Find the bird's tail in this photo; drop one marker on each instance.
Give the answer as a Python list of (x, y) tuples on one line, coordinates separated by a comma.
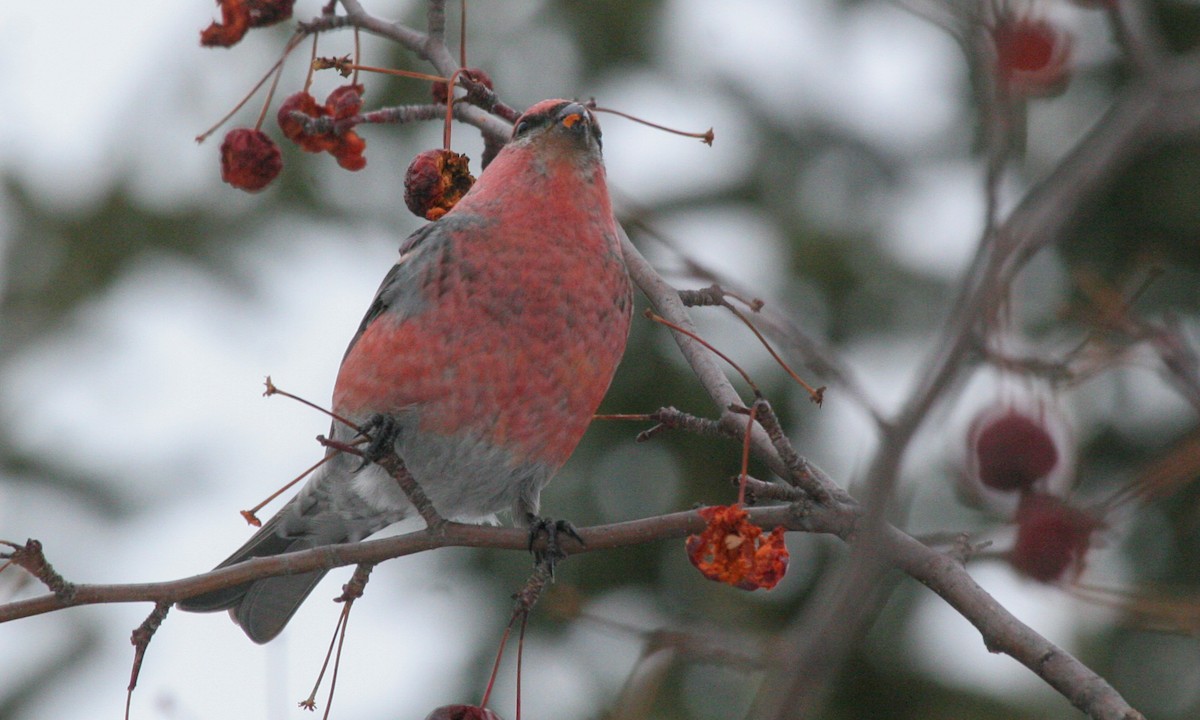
[(261, 607)]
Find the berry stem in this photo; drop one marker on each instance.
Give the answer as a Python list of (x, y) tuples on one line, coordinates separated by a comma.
[(651, 315), (462, 34), (262, 115), (705, 137), (357, 55), (449, 108), (272, 389), (312, 61), (251, 514), (291, 45), (752, 416), (487, 693)]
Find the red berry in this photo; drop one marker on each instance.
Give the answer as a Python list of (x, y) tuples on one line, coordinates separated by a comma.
[(238, 16), (344, 101), (1012, 450), (462, 712), (1031, 56), (1051, 537), (348, 149), (436, 180), (293, 128), (235, 21), (249, 159)]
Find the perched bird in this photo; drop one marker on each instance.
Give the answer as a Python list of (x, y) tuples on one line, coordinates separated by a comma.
[(485, 353)]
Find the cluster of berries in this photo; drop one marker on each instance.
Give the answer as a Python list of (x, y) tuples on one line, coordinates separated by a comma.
[(1014, 451), (250, 159)]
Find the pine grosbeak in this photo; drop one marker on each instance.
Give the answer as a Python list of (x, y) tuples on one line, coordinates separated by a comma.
[(487, 350)]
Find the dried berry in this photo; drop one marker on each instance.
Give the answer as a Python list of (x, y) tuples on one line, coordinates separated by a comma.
[(734, 551), (1032, 57), (348, 149), (1052, 537), (344, 101), (238, 16), (249, 159), (338, 138), (436, 180), (294, 128), (1012, 450)]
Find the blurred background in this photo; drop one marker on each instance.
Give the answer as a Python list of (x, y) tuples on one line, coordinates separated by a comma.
[(142, 302)]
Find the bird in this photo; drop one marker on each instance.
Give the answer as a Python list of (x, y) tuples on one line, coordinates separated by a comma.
[(485, 353)]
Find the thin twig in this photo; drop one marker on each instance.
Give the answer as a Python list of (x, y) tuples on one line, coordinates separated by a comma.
[(141, 641)]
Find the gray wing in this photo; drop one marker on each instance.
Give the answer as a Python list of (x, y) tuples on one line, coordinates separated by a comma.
[(324, 512), (401, 287)]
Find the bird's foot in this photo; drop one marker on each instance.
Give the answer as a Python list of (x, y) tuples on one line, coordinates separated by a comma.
[(551, 530), (381, 432)]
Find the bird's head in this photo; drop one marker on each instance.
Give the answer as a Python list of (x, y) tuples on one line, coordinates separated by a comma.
[(562, 124)]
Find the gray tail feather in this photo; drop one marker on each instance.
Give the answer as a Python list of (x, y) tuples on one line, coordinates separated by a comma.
[(261, 607), (268, 604)]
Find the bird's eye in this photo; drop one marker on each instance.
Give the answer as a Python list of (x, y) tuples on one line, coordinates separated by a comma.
[(522, 128)]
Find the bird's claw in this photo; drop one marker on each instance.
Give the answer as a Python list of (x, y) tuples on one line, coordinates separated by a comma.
[(552, 552), (381, 432)]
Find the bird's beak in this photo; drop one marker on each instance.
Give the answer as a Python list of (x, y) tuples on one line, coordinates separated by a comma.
[(571, 115)]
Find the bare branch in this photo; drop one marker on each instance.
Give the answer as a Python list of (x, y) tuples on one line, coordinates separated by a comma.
[(451, 534), (1001, 630), (1003, 633), (432, 49)]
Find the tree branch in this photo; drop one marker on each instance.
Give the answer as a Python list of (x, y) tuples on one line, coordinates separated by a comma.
[(1002, 632), (449, 534), (431, 48)]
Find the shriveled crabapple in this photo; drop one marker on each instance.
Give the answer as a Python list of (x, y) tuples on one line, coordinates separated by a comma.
[(238, 16), (344, 102), (346, 146), (435, 181), (294, 128), (250, 160), (735, 551), (348, 149)]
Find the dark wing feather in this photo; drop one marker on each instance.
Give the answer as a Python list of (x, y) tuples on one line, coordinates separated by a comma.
[(263, 607), (398, 285)]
